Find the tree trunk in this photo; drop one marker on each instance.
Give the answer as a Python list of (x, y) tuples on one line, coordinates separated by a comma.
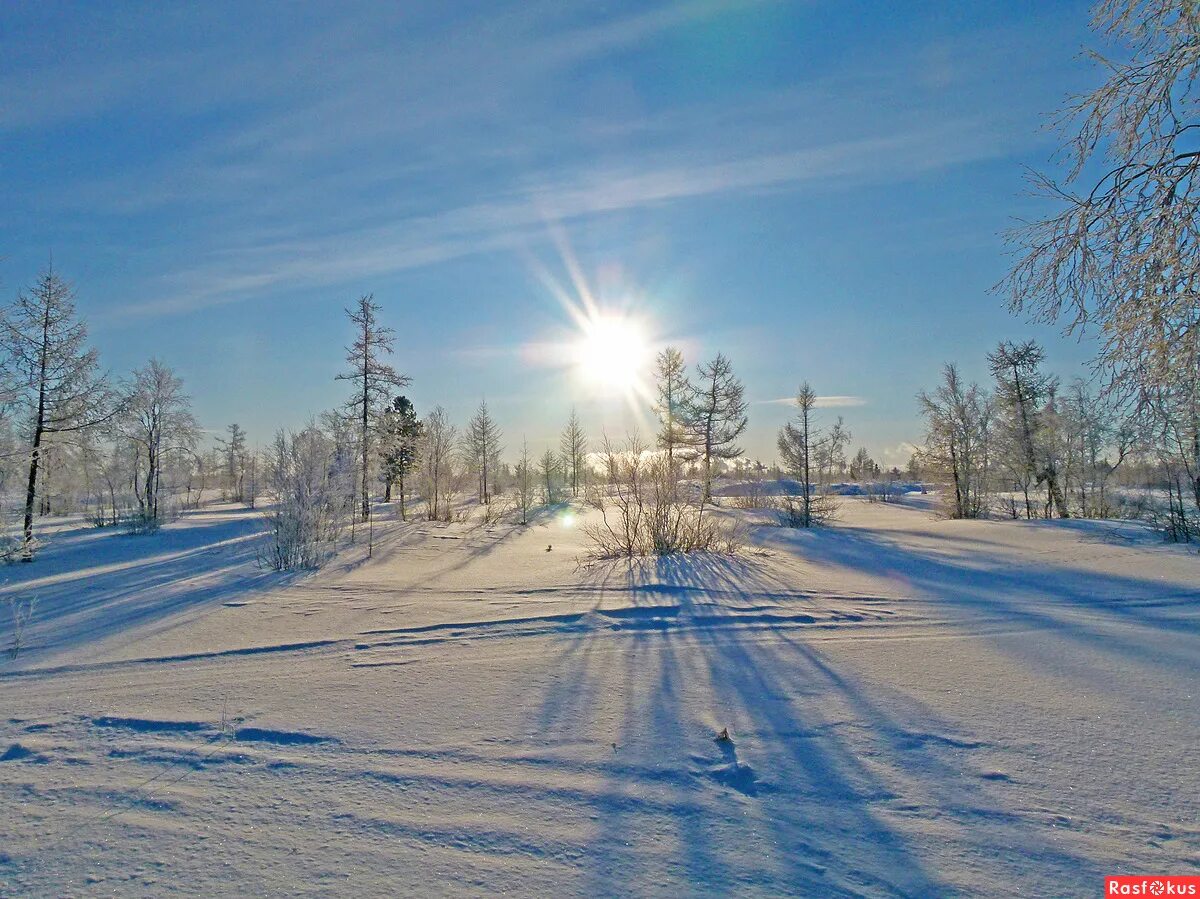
[(31, 489)]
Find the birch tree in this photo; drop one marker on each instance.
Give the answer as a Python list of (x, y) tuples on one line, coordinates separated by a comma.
[(157, 422), (1121, 252), (957, 441), (439, 440)]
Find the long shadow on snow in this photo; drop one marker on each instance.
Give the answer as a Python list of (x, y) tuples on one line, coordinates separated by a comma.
[(1044, 599), (815, 819), (133, 581), (918, 760)]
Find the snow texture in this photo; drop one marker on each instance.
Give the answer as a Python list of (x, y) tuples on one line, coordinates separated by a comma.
[(915, 707)]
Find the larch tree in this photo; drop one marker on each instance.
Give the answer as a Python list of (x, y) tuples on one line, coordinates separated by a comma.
[(572, 446), (373, 380), (525, 481), (1023, 393), (482, 445), (53, 376), (1120, 254), (233, 452), (548, 473), (716, 416), (798, 444), (674, 398)]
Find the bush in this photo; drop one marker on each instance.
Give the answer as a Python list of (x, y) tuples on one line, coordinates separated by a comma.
[(644, 512), (311, 485), (20, 612), (822, 508)]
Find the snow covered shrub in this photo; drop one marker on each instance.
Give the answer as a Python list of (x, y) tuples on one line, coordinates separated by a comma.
[(310, 481), (20, 612), (645, 512)]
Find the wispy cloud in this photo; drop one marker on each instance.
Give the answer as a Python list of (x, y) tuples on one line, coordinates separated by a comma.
[(515, 217), (312, 175)]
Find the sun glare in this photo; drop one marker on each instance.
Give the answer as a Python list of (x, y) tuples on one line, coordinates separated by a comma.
[(612, 353)]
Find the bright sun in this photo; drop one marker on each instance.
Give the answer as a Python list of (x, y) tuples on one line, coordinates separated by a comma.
[(612, 353)]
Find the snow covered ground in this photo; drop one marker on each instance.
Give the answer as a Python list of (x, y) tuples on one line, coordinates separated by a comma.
[(916, 707)]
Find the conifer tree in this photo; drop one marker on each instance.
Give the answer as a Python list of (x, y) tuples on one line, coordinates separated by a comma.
[(373, 381), (54, 377)]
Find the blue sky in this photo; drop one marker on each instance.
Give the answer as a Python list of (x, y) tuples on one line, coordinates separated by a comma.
[(816, 189)]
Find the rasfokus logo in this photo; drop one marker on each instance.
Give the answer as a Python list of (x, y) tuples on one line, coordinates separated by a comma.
[(1152, 885)]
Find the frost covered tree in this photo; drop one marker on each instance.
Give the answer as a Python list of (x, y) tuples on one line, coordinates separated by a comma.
[(674, 399), (548, 474), (1121, 252), (482, 448), (716, 416), (53, 377), (863, 467), (399, 438), (233, 453), (373, 380), (798, 443), (572, 446), (525, 480), (310, 479), (1024, 396), (830, 452), (157, 422), (958, 420), (439, 440)]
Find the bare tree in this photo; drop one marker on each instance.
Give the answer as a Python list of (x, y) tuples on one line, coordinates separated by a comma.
[(373, 381), (642, 513), (54, 375), (1122, 253), (572, 446), (716, 416), (438, 442), (157, 422), (830, 452)]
